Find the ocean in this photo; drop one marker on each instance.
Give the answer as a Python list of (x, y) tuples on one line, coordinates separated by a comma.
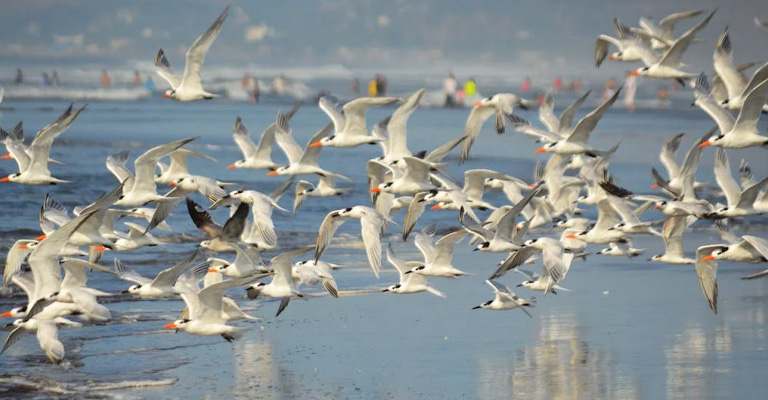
[(628, 328)]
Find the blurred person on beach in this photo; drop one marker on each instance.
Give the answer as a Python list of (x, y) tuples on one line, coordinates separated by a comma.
[(246, 81), (526, 87), (558, 84), (136, 78), (609, 90), (278, 85), (372, 88), (630, 89), (355, 88), (46, 79), (104, 78), (381, 85), (254, 94), (150, 85), (55, 79), (19, 76), (470, 88), (449, 89)]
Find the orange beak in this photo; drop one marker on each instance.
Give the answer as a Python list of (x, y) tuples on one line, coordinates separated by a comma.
[(634, 73), (656, 207), (172, 184), (655, 186), (6, 314), (316, 144), (271, 173), (708, 258), (172, 325), (166, 95), (23, 247), (705, 144), (6, 179), (540, 150), (212, 270), (532, 185), (572, 236), (478, 104), (41, 237), (6, 157), (435, 207), (99, 248), (375, 190), (612, 57), (231, 166)]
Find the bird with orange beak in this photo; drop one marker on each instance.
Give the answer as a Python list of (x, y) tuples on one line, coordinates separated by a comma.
[(350, 127)]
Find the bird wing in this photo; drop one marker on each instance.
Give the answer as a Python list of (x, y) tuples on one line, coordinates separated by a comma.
[(127, 273), (116, 165), (586, 125), (475, 121), (163, 68), (328, 228), (371, 226), (707, 272), (708, 104), (667, 156), (602, 44), (522, 125), (310, 154), (144, 166), (724, 66), (210, 297), (285, 139), (566, 117), (673, 56), (168, 276), (202, 220), (725, 179), (40, 148), (243, 138), (752, 108), (329, 108), (398, 126), (445, 245), (749, 195), (354, 113), (547, 113), (196, 54)]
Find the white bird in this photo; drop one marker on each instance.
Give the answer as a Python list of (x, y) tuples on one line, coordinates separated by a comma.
[(674, 228), (502, 240), (177, 169), (621, 250), (505, 299), (437, 256), (729, 74), (247, 261), (601, 233), (301, 162), (500, 105), (397, 129), (740, 202), (310, 272), (630, 223), (576, 142), (409, 283), (371, 223), (324, 188), (47, 337), (33, 167), (555, 266), (206, 310), (415, 178), (667, 66), (750, 249), (163, 283), (219, 238), (262, 231), (256, 156), (350, 128), (282, 285), (136, 238), (188, 87), (663, 33), (564, 123), (707, 272), (631, 46), (742, 131), (143, 189)]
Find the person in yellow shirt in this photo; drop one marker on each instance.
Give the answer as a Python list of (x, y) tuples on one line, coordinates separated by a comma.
[(470, 88), (372, 89)]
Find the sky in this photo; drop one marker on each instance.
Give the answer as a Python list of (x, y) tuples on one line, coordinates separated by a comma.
[(542, 38)]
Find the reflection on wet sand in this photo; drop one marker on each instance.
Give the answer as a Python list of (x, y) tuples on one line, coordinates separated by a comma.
[(255, 370), (690, 373), (560, 366)]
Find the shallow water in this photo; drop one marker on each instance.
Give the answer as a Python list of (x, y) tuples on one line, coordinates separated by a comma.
[(627, 329)]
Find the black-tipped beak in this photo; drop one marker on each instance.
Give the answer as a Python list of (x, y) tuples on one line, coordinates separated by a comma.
[(198, 245), (125, 292), (385, 290), (476, 307), (226, 196), (475, 249), (8, 325), (408, 272), (611, 229), (520, 285), (523, 106)]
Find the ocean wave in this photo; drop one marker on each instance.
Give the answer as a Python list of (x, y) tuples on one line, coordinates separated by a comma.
[(76, 93)]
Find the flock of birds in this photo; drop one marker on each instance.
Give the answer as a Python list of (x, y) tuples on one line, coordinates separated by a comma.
[(398, 179)]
